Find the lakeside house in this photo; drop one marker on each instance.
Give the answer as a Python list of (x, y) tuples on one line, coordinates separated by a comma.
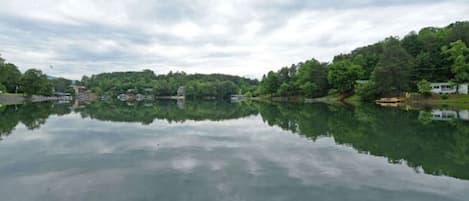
[(449, 88), (83, 94), (148, 90), (181, 91)]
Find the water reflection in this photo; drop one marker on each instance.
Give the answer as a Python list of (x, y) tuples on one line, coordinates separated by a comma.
[(435, 147), (32, 115), (414, 137), (444, 115), (171, 111)]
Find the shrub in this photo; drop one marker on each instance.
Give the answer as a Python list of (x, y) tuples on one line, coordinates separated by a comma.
[(367, 91), (424, 88), (2, 89)]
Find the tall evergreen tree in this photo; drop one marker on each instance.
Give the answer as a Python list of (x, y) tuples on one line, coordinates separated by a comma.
[(392, 74)]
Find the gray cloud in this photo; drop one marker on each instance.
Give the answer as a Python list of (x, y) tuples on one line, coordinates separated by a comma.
[(236, 37)]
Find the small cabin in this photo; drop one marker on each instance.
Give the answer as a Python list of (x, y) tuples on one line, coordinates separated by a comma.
[(448, 88), (148, 90), (181, 91)]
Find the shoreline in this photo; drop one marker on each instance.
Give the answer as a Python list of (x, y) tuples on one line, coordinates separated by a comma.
[(12, 99), (453, 101)]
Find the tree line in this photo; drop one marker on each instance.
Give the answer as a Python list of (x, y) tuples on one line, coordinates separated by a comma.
[(31, 82), (386, 68), (147, 82)]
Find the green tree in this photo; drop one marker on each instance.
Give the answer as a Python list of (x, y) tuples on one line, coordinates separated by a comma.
[(271, 84), (412, 44), (309, 89), (343, 75), (312, 72), (2, 60), (367, 91), (458, 31), (392, 74), (457, 53), (225, 89), (9, 76), (62, 85), (34, 82), (424, 87), (2, 88)]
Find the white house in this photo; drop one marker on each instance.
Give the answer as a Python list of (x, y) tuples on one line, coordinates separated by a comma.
[(181, 91), (448, 88)]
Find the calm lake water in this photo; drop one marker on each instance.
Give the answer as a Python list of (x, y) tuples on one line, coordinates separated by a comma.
[(222, 151)]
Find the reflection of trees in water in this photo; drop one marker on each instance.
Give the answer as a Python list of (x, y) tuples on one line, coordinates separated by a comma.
[(440, 148), (171, 111), (32, 115)]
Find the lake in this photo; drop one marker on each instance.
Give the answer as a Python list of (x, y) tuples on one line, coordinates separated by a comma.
[(205, 151)]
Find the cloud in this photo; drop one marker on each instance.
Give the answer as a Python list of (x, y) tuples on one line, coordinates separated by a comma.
[(236, 37)]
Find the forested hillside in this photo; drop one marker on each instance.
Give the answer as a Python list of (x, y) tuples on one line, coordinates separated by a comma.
[(390, 67), (147, 82)]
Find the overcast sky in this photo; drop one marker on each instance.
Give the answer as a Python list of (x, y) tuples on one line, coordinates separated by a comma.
[(71, 38)]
